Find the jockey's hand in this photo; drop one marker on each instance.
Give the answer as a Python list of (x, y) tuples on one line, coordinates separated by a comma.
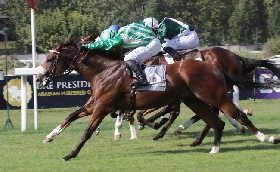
[(82, 47)]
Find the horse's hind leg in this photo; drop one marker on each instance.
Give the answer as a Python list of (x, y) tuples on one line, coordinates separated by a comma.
[(204, 111), (173, 115), (198, 140), (241, 117), (206, 129)]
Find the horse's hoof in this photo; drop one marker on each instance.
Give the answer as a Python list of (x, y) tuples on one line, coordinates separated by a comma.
[(155, 138), (65, 158), (97, 131), (117, 137), (132, 138), (140, 127), (177, 133), (242, 130), (274, 140), (47, 140), (113, 114), (195, 143), (248, 112)]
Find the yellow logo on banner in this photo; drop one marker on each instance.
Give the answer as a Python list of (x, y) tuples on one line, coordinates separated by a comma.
[(14, 92)]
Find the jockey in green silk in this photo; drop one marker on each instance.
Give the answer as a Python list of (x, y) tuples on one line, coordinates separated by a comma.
[(142, 42), (178, 36)]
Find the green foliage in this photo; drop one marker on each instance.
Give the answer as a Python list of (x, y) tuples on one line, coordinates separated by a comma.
[(217, 22), (273, 22), (211, 21), (246, 22), (272, 47), (11, 64)]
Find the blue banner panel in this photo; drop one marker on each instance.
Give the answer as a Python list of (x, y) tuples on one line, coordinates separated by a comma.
[(69, 91), (262, 75)]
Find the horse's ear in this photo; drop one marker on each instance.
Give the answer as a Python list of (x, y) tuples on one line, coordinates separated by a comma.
[(59, 47)]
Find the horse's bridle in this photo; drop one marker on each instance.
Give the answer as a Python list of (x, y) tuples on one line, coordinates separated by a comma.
[(50, 74)]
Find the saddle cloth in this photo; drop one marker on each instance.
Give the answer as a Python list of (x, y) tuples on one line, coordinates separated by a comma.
[(156, 77)]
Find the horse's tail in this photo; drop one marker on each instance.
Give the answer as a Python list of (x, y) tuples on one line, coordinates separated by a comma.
[(250, 64), (248, 83), (273, 65)]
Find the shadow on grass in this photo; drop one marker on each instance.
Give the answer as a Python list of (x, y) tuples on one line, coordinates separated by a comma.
[(227, 133), (242, 144), (222, 149)]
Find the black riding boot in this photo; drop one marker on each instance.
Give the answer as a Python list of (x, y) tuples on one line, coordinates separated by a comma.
[(140, 76), (173, 53)]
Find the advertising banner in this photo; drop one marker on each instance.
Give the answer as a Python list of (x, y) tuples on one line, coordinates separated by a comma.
[(262, 75), (69, 91)]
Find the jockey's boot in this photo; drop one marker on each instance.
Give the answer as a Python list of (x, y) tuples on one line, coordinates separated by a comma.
[(173, 53), (140, 76)]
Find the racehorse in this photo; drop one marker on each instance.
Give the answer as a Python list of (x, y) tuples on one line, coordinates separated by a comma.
[(157, 60), (110, 87), (220, 57)]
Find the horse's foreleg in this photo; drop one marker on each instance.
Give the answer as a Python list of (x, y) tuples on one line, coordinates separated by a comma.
[(173, 115), (118, 125), (71, 118), (141, 115), (166, 109), (84, 111), (92, 126), (186, 125), (132, 129)]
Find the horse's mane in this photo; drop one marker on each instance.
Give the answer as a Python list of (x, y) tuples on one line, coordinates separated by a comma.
[(108, 54), (112, 54), (72, 42)]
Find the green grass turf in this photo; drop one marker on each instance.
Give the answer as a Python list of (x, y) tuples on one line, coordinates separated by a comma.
[(24, 151)]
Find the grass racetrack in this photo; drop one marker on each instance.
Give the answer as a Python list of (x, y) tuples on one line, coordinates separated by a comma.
[(24, 151)]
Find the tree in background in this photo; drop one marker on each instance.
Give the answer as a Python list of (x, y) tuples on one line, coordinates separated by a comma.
[(247, 23), (211, 21), (216, 22), (273, 22)]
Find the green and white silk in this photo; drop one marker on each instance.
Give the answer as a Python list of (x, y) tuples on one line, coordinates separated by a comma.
[(130, 36)]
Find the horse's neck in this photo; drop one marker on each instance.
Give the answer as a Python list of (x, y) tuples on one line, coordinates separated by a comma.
[(96, 64)]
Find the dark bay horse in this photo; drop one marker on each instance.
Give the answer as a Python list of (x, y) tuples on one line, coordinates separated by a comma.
[(194, 81), (220, 57)]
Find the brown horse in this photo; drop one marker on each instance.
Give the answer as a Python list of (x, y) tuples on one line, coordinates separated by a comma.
[(110, 86), (173, 108), (220, 57)]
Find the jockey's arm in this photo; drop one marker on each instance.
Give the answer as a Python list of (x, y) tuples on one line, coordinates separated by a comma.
[(106, 44)]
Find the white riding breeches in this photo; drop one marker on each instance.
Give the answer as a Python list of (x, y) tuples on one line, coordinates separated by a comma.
[(143, 52), (183, 42)]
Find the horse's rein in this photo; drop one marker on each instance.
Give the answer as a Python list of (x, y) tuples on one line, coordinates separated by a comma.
[(67, 71)]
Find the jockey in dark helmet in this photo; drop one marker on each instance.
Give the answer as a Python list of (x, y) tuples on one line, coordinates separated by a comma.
[(108, 33), (114, 27), (142, 42)]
